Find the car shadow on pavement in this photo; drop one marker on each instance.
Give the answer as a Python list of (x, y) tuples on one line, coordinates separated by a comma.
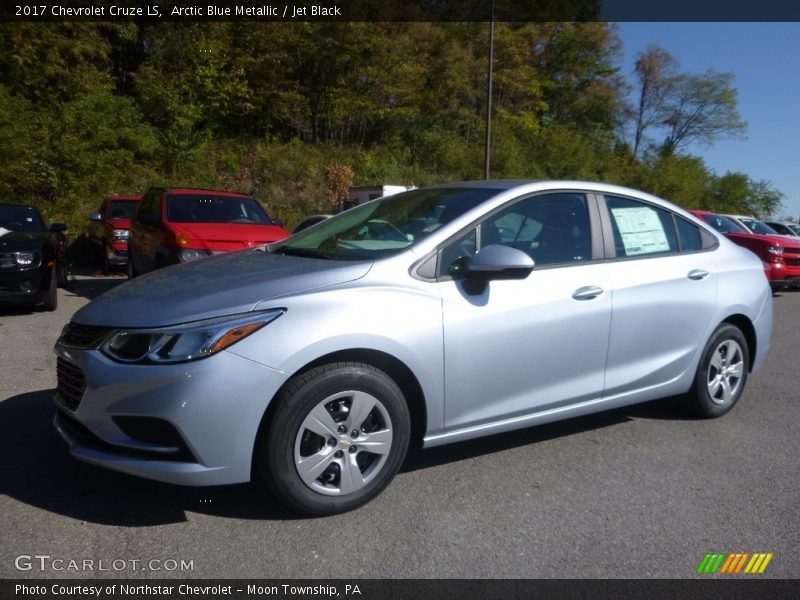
[(666, 409), (91, 288), (36, 468)]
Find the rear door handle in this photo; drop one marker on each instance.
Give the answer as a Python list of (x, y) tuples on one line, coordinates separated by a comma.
[(697, 274), (587, 292)]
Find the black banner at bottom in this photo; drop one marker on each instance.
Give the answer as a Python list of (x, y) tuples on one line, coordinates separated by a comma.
[(390, 589)]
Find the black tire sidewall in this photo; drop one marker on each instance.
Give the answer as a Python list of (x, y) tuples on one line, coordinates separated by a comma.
[(51, 300), (276, 453), (699, 398)]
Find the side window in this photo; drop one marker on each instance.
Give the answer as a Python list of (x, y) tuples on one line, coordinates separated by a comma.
[(550, 228), (641, 229), (689, 235)]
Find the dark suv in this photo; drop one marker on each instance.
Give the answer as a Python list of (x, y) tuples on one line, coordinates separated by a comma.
[(175, 225), (109, 229), (32, 257)]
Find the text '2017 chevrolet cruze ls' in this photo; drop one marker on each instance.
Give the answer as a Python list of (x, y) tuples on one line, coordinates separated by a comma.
[(433, 316)]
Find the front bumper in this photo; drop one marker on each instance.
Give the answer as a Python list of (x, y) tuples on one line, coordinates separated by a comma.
[(215, 406), (117, 253), (28, 286)]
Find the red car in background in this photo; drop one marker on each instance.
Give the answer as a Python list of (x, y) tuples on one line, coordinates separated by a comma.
[(176, 225), (780, 254), (109, 230)]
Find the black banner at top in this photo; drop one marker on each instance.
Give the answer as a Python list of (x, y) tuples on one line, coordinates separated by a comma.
[(398, 10)]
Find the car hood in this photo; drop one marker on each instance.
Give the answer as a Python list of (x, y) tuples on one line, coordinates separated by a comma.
[(229, 236), (774, 240), (120, 223), (212, 287), (18, 240)]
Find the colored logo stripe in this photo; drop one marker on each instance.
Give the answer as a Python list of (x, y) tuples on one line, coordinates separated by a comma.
[(724, 562)]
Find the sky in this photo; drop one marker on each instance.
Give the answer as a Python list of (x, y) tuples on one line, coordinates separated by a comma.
[(765, 61)]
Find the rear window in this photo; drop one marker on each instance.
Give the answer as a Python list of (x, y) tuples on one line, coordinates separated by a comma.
[(209, 208)]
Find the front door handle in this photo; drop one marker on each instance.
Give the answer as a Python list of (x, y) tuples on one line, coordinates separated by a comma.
[(697, 274), (587, 292)]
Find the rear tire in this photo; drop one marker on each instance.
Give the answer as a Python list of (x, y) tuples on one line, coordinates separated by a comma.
[(337, 437), (51, 300), (131, 269), (721, 375)]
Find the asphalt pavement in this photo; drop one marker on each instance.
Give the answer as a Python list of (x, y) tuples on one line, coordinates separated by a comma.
[(645, 491)]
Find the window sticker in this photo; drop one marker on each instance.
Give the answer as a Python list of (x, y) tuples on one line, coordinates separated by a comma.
[(641, 230)]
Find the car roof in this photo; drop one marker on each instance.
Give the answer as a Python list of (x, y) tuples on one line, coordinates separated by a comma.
[(181, 190), (124, 197)]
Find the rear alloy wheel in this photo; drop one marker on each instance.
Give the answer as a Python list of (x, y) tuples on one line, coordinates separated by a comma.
[(338, 436), (722, 373)]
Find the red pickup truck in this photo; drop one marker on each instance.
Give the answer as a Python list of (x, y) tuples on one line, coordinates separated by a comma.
[(109, 230)]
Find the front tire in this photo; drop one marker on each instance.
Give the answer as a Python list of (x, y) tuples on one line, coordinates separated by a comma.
[(51, 300), (721, 374), (131, 269), (339, 434)]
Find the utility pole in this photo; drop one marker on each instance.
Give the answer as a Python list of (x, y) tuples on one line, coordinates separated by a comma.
[(488, 148)]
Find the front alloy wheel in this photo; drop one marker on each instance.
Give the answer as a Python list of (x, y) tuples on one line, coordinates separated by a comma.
[(338, 435)]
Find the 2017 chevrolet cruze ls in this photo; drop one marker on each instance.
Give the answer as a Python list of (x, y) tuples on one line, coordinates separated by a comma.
[(433, 316)]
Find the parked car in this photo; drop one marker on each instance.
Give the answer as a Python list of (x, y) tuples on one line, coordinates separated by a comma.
[(176, 225), (32, 257), (785, 227), (780, 252), (752, 224), (316, 362), (109, 230), (308, 222)]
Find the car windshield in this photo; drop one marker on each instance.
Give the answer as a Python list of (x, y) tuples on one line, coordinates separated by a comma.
[(210, 208), (724, 224), (20, 218), (794, 227), (385, 226), (758, 227), (122, 209)]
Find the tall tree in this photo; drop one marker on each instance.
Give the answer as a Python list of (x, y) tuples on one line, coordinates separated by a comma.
[(701, 108), (655, 74)]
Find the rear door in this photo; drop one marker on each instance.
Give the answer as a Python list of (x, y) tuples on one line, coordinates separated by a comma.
[(664, 283)]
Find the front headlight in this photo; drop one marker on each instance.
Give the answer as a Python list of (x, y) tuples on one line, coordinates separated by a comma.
[(24, 259), (182, 343), (776, 250), (121, 234), (187, 254)]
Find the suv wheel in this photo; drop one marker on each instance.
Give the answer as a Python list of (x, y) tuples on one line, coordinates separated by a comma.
[(338, 436)]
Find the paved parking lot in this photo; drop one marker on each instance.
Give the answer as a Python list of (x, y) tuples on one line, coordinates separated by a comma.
[(638, 492)]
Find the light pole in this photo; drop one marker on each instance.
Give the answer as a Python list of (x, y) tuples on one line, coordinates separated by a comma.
[(488, 148)]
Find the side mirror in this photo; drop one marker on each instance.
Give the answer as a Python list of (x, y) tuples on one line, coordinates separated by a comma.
[(56, 227), (95, 216), (500, 262)]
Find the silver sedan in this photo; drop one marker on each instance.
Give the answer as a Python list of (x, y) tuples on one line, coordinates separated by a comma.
[(433, 316)]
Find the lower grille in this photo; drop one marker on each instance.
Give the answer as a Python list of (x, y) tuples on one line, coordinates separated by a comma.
[(71, 384)]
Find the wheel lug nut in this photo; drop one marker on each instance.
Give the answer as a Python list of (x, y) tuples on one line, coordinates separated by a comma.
[(353, 449), (342, 429), (338, 454), (354, 435), (331, 442)]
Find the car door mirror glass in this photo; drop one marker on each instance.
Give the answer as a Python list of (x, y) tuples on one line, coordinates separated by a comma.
[(95, 216)]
